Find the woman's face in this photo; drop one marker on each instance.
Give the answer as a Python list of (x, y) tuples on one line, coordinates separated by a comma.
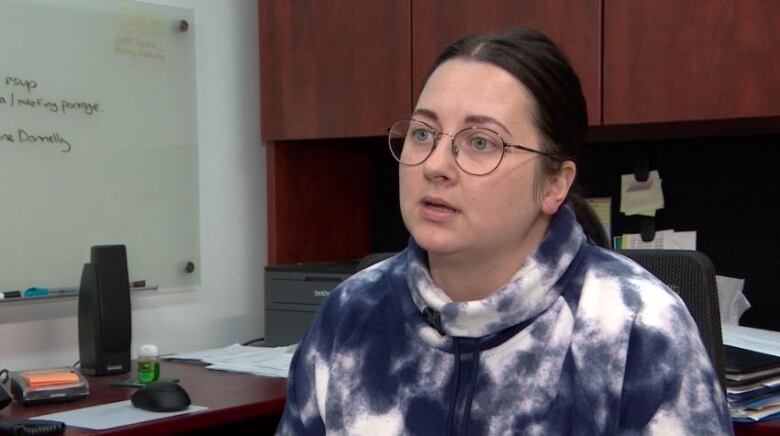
[(450, 212)]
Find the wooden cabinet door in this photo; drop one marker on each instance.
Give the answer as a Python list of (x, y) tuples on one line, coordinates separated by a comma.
[(671, 60), (575, 25), (336, 68)]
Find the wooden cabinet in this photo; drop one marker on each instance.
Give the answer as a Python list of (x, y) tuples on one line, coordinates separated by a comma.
[(670, 60), (573, 24), (333, 69), (341, 68)]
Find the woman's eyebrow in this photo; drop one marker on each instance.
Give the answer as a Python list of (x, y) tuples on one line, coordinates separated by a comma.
[(483, 119), (426, 113), (470, 119)]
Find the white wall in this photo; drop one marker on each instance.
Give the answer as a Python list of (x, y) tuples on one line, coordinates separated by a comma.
[(228, 306)]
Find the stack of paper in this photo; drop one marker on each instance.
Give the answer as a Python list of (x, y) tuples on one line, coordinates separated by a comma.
[(752, 384), (756, 396), (664, 240), (264, 361)]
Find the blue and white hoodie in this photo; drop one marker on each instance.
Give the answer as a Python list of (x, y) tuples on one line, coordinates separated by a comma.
[(580, 341)]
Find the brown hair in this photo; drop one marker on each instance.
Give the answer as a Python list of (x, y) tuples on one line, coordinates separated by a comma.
[(560, 112)]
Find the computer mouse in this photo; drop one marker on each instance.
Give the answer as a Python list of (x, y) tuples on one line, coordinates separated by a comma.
[(161, 396)]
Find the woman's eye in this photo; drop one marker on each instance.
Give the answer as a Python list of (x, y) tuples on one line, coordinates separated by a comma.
[(483, 144), (421, 135)]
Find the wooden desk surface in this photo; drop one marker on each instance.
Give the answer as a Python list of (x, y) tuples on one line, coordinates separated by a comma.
[(230, 397), (757, 428)]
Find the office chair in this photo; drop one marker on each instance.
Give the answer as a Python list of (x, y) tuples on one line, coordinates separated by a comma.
[(692, 276), (373, 258)]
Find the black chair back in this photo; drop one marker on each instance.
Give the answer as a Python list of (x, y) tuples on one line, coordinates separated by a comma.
[(692, 276)]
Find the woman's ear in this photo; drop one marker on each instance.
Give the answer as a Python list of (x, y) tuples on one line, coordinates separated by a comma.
[(558, 186)]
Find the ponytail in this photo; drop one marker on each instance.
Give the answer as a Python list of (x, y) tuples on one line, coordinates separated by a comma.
[(586, 216)]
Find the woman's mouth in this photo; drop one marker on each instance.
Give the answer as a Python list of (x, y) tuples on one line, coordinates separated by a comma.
[(437, 210), (438, 206)]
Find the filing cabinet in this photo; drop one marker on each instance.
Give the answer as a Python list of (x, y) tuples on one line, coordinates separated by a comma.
[(293, 293)]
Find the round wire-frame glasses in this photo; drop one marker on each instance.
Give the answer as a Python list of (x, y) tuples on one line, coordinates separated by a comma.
[(477, 150)]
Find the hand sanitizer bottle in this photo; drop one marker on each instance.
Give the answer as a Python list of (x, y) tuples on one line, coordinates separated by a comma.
[(148, 364)]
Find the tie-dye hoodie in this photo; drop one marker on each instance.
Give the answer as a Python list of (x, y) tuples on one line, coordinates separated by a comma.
[(580, 341)]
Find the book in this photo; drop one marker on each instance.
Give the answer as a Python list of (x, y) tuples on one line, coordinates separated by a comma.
[(745, 366)]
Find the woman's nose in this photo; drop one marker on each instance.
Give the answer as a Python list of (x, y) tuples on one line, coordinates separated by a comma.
[(441, 162)]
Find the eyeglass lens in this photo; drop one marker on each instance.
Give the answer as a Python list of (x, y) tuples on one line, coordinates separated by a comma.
[(476, 150)]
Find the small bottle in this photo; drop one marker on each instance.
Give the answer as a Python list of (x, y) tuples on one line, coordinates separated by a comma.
[(148, 364)]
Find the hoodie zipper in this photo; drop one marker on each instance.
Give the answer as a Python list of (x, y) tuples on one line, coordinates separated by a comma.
[(466, 367)]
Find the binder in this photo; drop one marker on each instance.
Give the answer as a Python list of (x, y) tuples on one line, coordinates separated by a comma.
[(745, 366)]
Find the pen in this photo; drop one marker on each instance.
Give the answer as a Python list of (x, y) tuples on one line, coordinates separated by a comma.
[(36, 292), (10, 294), (46, 292)]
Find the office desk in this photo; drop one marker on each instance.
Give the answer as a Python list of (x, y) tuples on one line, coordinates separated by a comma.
[(237, 403)]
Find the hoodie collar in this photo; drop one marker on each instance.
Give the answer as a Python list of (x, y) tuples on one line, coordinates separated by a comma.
[(530, 291)]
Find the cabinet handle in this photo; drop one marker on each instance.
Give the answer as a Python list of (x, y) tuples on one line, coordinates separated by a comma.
[(322, 279)]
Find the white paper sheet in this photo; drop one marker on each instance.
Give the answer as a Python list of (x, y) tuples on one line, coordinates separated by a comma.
[(641, 198), (754, 415), (731, 300), (770, 382), (763, 341), (112, 415), (664, 239), (263, 361)]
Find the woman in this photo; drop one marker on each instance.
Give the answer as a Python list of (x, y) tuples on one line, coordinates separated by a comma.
[(500, 317)]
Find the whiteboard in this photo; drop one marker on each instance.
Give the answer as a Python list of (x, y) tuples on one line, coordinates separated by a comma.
[(98, 140)]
